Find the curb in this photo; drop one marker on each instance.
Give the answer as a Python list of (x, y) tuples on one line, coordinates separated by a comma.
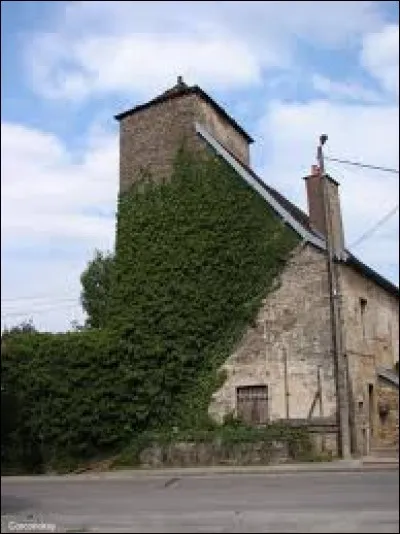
[(343, 466)]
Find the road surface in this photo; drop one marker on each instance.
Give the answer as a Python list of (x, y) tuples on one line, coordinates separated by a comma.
[(304, 502)]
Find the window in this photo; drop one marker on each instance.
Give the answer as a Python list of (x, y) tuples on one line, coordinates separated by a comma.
[(252, 404), (371, 408), (363, 309)]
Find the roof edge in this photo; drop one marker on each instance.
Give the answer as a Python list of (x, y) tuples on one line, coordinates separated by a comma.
[(389, 375), (364, 269), (258, 186), (194, 89), (314, 238)]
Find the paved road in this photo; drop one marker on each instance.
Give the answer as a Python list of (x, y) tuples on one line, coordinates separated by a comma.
[(304, 502)]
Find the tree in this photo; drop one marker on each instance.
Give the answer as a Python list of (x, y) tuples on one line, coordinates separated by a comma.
[(96, 282), (23, 328)]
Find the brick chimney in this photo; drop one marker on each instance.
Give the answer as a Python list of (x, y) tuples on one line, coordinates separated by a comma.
[(316, 207)]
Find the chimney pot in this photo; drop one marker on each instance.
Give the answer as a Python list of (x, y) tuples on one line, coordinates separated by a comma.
[(315, 170)]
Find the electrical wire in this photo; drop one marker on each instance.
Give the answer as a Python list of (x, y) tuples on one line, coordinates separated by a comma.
[(38, 297), (364, 165), (10, 307), (380, 223), (34, 312)]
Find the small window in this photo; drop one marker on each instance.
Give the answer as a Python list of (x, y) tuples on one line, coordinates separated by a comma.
[(252, 404), (363, 309)]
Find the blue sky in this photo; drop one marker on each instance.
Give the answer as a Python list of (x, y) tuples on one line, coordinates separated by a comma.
[(286, 71)]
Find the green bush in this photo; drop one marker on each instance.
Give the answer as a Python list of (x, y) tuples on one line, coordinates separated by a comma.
[(69, 400), (194, 258)]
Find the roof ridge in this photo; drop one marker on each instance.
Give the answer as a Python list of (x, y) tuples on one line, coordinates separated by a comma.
[(181, 89)]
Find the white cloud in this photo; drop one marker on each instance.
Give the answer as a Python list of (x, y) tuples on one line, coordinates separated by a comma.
[(380, 56), (366, 134), (52, 195), (127, 47), (44, 190), (332, 23), (112, 64), (50, 222), (347, 90), (47, 196)]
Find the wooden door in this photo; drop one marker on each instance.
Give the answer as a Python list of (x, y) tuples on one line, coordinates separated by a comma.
[(252, 404)]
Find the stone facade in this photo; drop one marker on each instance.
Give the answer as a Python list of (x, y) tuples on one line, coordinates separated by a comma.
[(288, 347), (220, 128), (291, 342), (150, 137), (387, 425), (371, 340)]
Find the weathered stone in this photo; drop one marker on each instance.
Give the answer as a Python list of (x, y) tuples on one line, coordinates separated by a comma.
[(371, 340), (290, 344), (185, 454), (293, 323), (150, 138)]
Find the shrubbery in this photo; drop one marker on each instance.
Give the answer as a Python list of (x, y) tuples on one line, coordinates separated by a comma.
[(194, 258)]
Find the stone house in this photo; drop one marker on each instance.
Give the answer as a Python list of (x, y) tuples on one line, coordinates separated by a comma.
[(289, 365)]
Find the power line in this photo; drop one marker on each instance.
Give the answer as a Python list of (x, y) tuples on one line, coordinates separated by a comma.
[(364, 165), (37, 297), (43, 310), (12, 305), (381, 222)]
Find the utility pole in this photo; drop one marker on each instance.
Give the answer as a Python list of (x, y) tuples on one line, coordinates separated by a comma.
[(336, 316)]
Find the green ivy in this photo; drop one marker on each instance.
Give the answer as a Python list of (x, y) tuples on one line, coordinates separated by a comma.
[(194, 258)]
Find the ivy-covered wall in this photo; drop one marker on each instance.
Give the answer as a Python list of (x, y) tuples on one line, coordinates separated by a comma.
[(194, 258)]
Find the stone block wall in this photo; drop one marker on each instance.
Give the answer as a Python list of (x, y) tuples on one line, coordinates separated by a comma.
[(150, 138), (371, 340), (222, 130), (289, 342), (387, 435), (186, 454)]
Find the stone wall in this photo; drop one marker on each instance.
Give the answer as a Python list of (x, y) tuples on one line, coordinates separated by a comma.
[(287, 346), (222, 130), (150, 138), (321, 443), (387, 434), (371, 340), (185, 454), (371, 329)]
